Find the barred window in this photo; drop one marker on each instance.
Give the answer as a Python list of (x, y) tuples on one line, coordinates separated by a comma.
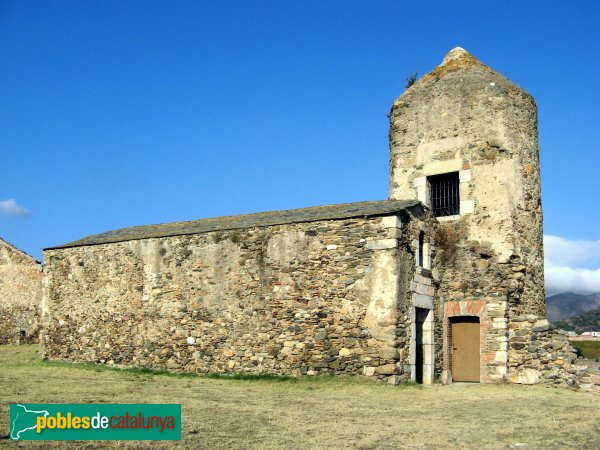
[(445, 200)]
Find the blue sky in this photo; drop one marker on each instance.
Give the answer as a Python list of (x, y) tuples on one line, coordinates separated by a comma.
[(121, 113)]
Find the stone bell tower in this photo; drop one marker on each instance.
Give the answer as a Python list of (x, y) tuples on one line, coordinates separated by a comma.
[(464, 141)]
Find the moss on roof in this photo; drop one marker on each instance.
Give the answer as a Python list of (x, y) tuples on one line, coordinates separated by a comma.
[(315, 213)]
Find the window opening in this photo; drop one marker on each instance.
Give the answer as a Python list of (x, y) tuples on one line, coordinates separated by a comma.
[(445, 199), (421, 242)]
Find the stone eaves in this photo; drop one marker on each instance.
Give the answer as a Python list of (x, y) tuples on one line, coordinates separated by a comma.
[(312, 214)]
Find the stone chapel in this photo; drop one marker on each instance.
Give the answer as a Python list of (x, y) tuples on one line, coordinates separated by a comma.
[(444, 280)]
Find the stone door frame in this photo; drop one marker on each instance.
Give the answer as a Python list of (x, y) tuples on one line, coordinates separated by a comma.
[(427, 344), (474, 308)]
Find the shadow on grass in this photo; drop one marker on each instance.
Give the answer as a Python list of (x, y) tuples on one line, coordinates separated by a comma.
[(136, 371), (26, 356), (238, 376), (251, 377), (234, 376)]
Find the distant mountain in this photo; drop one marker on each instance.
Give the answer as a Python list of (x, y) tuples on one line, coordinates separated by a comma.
[(587, 321), (567, 304)]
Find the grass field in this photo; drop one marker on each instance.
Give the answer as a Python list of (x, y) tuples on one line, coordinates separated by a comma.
[(588, 349), (310, 412)]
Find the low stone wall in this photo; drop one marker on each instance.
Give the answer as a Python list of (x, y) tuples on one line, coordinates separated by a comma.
[(302, 298), (539, 354), (20, 294)]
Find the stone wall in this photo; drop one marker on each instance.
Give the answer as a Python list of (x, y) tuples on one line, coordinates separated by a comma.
[(540, 354), (20, 294), (303, 298), (416, 293), (472, 280)]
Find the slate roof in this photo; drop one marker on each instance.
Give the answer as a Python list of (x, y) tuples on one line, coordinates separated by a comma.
[(315, 213)]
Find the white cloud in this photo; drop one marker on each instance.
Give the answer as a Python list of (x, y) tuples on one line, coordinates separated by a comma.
[(10, 207), (563, 252), (571, 266), (567, 279)]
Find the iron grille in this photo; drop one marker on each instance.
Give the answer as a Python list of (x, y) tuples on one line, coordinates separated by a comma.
[(445, 199)]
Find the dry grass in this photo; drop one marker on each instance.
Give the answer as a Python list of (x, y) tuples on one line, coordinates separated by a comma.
[(588, 349), (312, 413)]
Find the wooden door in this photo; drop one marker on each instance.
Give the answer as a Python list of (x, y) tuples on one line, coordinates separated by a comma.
[(465, 350)]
